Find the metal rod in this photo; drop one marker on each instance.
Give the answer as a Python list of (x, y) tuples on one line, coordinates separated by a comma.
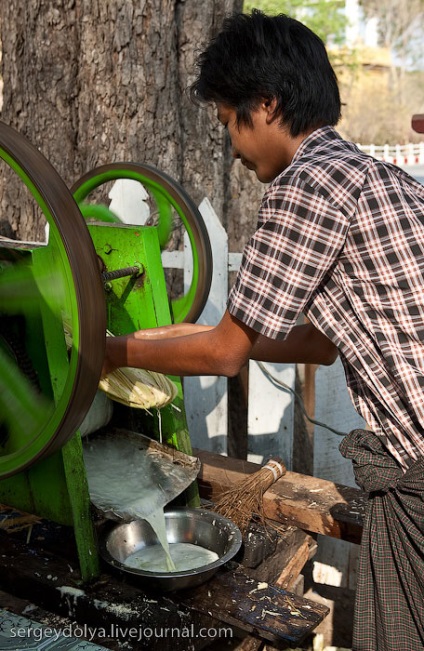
[(121, 273)]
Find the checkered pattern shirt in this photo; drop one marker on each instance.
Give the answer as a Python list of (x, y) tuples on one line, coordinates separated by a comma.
[(340, 238)]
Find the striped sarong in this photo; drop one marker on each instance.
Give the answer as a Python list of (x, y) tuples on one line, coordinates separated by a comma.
[(389, 608)]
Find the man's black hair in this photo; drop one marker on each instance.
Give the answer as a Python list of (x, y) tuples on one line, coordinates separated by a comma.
[(257, 57)]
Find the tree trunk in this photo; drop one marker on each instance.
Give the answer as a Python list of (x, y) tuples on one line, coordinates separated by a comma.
[(40, 90), (91, 82)]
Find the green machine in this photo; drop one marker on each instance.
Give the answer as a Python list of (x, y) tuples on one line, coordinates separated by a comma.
[(92, 273)]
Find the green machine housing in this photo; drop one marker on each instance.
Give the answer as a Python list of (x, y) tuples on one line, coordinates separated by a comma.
[(93, 273)]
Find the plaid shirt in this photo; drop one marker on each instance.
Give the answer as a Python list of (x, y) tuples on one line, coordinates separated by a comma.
[(340, 238)]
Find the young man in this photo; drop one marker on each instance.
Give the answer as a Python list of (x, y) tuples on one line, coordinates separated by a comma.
[(340, 238)]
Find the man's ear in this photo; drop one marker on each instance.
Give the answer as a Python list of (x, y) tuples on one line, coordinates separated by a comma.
[(270, 106)]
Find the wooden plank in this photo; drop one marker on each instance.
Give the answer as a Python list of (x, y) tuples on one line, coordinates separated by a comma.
[(41, 573), (293, 568), (262, 608), (206, 397), (274, 551), (335, 558), (271, 412), (313, 504), (108, 604), (317, 505), (334, 407), (218, 473), (250, 644)]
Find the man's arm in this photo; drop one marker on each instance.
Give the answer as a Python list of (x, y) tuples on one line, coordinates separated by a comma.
[(303, 345), (184, 349), (194, 349)]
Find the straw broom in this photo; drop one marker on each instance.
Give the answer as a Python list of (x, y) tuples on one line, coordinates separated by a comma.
[(244, 501)]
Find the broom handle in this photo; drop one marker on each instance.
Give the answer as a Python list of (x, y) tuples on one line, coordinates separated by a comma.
[(277, 467)]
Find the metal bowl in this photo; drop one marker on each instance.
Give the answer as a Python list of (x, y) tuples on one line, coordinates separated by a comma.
[(196, 526)]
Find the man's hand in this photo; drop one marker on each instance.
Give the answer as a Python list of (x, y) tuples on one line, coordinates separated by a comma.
[(108, 367)]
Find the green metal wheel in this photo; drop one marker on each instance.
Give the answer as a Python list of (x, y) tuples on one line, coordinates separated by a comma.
[(48, 291), (154, 198)]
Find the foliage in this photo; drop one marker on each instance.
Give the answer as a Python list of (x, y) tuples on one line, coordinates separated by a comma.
[(325, 17)]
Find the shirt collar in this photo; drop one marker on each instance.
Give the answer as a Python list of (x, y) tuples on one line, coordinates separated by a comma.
[(315, 139)]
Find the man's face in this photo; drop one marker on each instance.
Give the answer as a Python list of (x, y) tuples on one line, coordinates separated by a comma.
[(262, 147)]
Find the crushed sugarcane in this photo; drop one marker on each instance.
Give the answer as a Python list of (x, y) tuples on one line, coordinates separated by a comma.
[(133, 387)]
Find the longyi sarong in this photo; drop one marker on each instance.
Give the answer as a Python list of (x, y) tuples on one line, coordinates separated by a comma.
[(389, 609)]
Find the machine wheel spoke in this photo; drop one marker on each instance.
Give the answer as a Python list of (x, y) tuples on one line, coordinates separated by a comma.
[(167, 207)]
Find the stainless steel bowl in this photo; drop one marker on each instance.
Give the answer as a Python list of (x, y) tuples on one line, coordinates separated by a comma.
[(196, 526)]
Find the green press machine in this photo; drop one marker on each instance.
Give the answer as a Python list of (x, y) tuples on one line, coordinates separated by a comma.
[(93, 273)]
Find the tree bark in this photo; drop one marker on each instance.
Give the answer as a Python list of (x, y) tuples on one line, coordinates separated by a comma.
[(91, 82), (40, 90)]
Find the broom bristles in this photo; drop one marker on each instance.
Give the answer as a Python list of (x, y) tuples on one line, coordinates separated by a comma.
[(244, 501)]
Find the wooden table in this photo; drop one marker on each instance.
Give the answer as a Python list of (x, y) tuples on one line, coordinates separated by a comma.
[(254, 598)]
